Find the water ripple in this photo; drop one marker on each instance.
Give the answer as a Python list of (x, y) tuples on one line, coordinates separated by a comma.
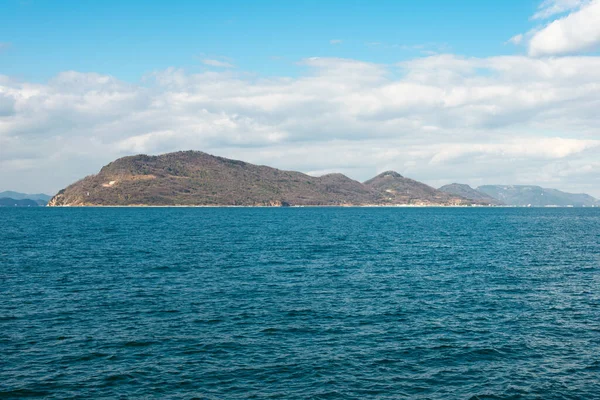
[(321, 303)]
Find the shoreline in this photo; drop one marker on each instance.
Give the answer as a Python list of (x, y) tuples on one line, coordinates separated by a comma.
[(305, 206)]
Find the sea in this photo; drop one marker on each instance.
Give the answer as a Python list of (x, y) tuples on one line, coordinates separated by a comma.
[(300, 303)]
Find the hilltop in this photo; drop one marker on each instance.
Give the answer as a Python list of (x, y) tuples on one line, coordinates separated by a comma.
[(397, 189)]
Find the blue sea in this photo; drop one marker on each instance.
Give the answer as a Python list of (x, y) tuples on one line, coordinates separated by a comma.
[(299, 303)]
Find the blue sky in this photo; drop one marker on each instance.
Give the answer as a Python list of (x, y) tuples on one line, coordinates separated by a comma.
[(476, 92), (128, 39)]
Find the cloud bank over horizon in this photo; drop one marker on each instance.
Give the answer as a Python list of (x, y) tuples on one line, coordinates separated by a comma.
[(522, 119)]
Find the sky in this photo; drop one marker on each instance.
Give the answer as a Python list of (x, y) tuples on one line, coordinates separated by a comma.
[(474, 92)]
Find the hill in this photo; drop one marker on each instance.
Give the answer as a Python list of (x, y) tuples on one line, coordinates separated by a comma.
[(536, 196), (468, 192), (40, 198), (197, 178), (400, 190), (9, 202)]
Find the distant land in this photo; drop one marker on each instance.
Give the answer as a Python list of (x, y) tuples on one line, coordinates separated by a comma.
[(16, 199), (193, 178), (466, 191), (536, 196), (521, 195), (8, 202)]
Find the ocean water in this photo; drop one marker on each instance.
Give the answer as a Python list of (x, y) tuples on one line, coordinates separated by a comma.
[(298, 303)]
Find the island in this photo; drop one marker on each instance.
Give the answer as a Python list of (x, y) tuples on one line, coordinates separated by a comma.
[(194, 178)]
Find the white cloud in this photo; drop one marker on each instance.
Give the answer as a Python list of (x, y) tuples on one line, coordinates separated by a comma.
[(431, 48), (550, 8), (517, 39), (217, 63), (579, 31), (530, 148), (444, 118), (335, 41)]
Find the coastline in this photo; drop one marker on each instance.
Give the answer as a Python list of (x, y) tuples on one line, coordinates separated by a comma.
[(307, 206)]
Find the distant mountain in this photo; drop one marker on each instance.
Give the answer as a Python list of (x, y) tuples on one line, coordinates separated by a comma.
[(8, 202), (536, 196), (468, 192), (20, 196), (40, 198), (197, 178), (400, 190)]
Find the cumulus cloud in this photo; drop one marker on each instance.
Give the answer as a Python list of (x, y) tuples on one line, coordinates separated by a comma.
[(444, 118), (578, 31)]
